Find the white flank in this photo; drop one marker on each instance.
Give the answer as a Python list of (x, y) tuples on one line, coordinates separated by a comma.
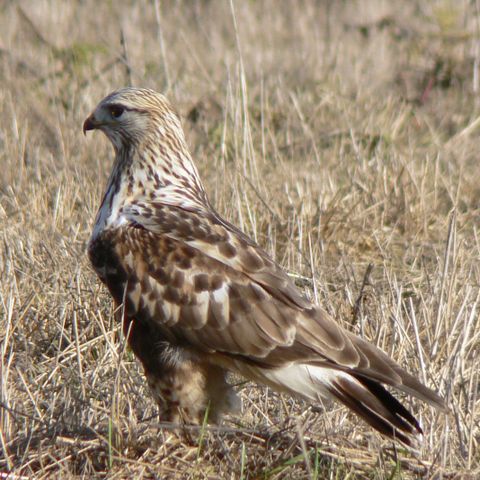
[(107, 216), (310, 382)]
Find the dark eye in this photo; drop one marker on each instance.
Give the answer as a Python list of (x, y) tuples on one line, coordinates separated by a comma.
[(116, 111)]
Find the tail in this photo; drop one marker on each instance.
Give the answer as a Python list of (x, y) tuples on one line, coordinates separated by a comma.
[(366, 397)]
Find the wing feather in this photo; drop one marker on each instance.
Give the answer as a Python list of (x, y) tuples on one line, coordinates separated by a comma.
[(219, 292)]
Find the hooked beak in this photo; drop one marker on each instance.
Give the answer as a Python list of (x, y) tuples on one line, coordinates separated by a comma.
[(89, 124)]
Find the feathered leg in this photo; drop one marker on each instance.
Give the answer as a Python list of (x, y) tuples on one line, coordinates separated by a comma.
[(182, 386)]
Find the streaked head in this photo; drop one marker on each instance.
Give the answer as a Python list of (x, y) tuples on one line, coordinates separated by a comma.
[(151, 153), (128, 115)]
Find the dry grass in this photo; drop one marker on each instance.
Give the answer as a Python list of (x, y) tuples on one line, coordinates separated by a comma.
[(339, 134)]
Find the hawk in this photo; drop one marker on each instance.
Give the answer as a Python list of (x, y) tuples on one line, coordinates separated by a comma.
[(198, 297)]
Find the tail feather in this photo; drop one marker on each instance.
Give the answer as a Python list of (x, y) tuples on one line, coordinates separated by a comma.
[(378, 408), (389, 401), (399, 378), (366, 397)]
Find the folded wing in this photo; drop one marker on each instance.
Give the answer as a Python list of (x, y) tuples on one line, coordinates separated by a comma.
[(210, 288)]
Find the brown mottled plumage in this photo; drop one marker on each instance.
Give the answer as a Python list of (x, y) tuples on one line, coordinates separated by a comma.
[(199, 297)]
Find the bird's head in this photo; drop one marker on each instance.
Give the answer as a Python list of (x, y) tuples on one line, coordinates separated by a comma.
[(127, 116), (151, 150)]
